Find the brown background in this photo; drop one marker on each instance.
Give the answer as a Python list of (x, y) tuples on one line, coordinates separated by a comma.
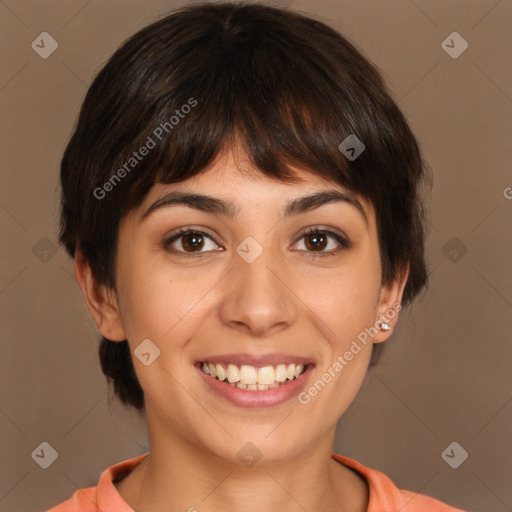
[(446, 373)]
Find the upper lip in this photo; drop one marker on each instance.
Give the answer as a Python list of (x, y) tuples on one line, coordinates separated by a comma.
[(254, 360)]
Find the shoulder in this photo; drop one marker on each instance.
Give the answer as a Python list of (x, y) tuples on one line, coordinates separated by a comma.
[(83, 500), (104, 496), (384, 495)]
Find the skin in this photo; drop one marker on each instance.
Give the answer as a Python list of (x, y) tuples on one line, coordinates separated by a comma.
[(282, 302)]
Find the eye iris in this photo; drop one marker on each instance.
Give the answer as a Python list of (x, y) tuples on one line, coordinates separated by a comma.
[(316, 244), (197, 241)]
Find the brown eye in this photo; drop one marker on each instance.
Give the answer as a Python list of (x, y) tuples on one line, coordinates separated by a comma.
[(317, 241), (192, 241)]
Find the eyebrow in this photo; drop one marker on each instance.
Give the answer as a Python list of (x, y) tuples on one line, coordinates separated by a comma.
[(210, 204)]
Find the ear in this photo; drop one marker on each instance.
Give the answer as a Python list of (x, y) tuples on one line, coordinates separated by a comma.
[(101, 301), (390, 304)]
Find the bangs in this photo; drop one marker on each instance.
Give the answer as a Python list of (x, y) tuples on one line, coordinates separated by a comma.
[(243, 83)]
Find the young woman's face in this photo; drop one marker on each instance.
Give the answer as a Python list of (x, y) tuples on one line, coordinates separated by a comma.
[(248, 287)]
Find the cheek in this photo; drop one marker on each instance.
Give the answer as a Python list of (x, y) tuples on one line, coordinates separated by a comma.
[(148, 303), (346, 300), (143, 292), (342, 310), (160, 302)]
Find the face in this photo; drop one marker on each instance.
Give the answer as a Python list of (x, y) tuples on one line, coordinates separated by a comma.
[(250, 287)]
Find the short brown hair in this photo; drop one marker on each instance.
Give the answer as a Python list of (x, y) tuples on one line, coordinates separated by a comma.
[(289, 87)]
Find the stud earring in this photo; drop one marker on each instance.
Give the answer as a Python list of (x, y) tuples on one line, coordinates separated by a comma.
[(385, 327)]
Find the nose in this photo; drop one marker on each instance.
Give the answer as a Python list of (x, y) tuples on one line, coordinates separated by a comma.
[(259, 299)]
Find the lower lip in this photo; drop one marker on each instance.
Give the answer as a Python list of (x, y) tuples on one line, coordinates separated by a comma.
[(257, 398)]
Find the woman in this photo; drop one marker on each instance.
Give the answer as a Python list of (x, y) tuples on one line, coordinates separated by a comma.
[(241, 197)]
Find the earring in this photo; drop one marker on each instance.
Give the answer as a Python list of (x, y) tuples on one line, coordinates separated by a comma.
[(385, 327)]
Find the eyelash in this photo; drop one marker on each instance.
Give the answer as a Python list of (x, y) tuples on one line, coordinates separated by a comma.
[(344, 243)]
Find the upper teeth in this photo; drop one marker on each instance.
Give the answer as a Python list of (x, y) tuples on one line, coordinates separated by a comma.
[(246, 374)]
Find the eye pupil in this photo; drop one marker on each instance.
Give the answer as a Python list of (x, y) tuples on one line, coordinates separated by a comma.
[(319, 241), (197, 241)]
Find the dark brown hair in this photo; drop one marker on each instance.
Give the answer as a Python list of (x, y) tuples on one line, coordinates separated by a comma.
[(290, 88)]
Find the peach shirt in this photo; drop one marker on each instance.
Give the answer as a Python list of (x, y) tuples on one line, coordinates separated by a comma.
[(384, 495)]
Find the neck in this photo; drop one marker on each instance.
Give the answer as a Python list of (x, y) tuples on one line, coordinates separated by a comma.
[(180, 473)]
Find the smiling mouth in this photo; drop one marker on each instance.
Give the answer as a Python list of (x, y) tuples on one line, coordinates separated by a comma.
[(252, 377)]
